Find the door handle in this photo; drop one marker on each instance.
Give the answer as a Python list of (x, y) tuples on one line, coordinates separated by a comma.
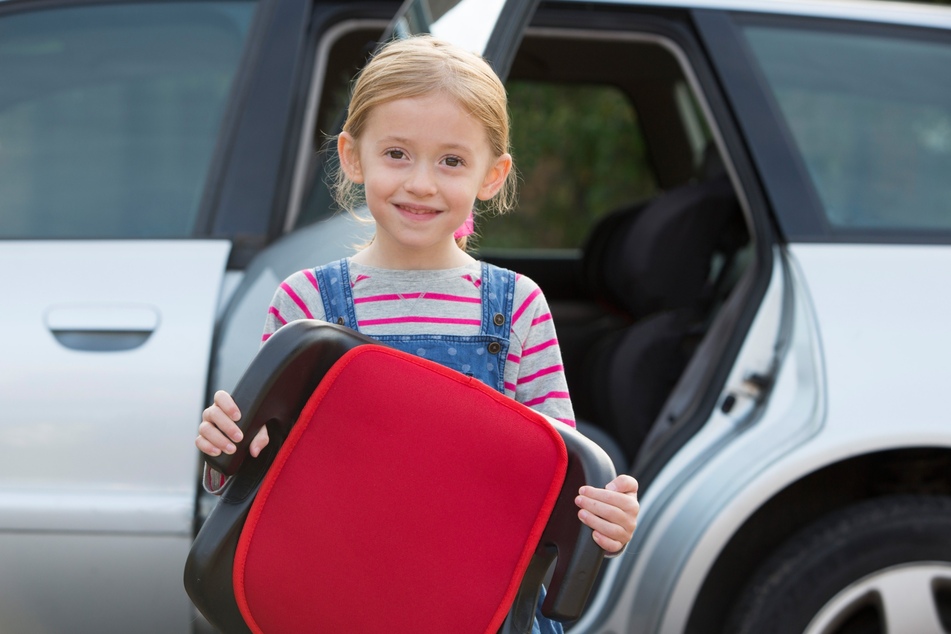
[(102, 327)]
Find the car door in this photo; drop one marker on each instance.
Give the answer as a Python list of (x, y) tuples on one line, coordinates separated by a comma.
[(135, 189), (643, 107), (109, 118)]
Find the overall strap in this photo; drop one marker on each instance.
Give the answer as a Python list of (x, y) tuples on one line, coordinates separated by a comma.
[(333, 280), (498, 297)]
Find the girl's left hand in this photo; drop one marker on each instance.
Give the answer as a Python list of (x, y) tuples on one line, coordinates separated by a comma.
[(611, 512)]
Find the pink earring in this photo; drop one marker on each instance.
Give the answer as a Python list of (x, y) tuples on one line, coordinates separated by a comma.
[(467, 228)]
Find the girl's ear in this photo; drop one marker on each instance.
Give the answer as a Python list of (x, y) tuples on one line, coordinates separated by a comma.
[(349, 157), (495, 177)]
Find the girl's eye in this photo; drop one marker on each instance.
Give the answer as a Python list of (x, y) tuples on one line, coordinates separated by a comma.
[(395, 154), (453, 161)]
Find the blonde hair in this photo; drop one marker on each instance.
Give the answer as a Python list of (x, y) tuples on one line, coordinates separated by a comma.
[(422, 65)]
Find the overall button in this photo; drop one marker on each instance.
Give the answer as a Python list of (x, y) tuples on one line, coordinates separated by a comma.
[(495, 347), (499, 319), (340, 320)]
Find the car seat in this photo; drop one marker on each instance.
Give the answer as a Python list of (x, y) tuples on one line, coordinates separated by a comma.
[(652, 263), (406, 498)]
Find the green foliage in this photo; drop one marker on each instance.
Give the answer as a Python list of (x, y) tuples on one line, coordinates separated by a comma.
[(579, 154)]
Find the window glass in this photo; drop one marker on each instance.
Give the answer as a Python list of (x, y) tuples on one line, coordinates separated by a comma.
[(871, 117), (579, 154), (109, 116)]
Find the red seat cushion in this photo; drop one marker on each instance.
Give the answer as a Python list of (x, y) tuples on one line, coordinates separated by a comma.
[(407, 498)]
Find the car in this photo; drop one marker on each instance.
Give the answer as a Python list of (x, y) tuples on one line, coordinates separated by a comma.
[(738, 210)]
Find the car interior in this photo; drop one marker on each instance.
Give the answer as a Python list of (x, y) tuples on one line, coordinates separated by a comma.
[(635, 296)]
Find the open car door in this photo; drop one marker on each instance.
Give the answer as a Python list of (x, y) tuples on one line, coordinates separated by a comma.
[(108, 124)]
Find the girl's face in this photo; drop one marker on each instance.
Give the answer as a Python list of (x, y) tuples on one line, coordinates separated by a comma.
[(423, 161)]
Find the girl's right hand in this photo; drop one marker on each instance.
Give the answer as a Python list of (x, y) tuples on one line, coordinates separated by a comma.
[(218, 432)]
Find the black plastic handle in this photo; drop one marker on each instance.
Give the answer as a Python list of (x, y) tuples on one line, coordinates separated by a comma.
[(579, 557), (282, 377), (566, 541)]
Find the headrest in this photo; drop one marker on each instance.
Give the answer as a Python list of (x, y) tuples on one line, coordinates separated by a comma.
[(657, 256)]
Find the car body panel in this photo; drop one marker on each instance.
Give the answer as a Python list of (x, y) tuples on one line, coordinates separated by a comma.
[(103, 583), (737, 466), (889, 377), (98, 489), (75, 442), (638, 586)]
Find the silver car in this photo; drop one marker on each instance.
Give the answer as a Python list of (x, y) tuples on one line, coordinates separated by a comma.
[(739, 211)]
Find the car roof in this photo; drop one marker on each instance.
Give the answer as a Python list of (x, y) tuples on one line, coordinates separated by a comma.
[(907, 13), (883, 11)]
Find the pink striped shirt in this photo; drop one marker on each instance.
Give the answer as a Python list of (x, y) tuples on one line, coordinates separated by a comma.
[(446, 302)]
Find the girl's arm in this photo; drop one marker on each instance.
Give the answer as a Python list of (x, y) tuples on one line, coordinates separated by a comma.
[(537, 378)]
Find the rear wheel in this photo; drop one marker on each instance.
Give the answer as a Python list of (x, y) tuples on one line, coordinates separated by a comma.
[(879, 567)]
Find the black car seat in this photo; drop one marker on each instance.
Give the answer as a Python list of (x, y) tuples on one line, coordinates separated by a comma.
[(395, 495), (653, 263)]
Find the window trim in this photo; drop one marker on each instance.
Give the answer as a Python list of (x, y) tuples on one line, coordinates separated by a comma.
[(305, 155)]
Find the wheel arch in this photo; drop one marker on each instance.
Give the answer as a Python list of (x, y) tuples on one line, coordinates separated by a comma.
[(918, 470)]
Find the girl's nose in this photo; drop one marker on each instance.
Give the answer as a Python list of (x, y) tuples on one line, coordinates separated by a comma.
[(420, 181)]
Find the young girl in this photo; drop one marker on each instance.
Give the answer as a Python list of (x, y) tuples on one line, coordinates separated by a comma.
[(426, 135)]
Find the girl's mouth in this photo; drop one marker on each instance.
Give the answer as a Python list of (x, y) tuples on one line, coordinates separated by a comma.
[(416, 210)]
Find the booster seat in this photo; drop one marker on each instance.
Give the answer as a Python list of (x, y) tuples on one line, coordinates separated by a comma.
[(395, 495)]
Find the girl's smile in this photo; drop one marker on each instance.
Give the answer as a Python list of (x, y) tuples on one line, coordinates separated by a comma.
[(416, 210), (423, 162)]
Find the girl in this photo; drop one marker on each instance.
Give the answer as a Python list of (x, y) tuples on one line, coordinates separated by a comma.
[(426, 135)]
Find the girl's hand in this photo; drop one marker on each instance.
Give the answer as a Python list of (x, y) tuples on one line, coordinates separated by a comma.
[(218, 432), (611, 512)]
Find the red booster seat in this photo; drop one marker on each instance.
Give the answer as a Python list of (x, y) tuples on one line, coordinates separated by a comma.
[(395, 495)]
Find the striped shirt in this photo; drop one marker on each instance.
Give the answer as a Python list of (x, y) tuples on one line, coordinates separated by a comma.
[(445, 302)]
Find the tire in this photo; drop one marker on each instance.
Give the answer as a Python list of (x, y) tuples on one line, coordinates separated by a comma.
[(880, 567)]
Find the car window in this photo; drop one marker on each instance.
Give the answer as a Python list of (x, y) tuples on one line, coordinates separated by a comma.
[(579, 153), (870, 115), (109, 115)]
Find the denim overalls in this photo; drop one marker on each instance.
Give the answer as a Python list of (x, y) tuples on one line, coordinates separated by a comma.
[(481, 356)]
